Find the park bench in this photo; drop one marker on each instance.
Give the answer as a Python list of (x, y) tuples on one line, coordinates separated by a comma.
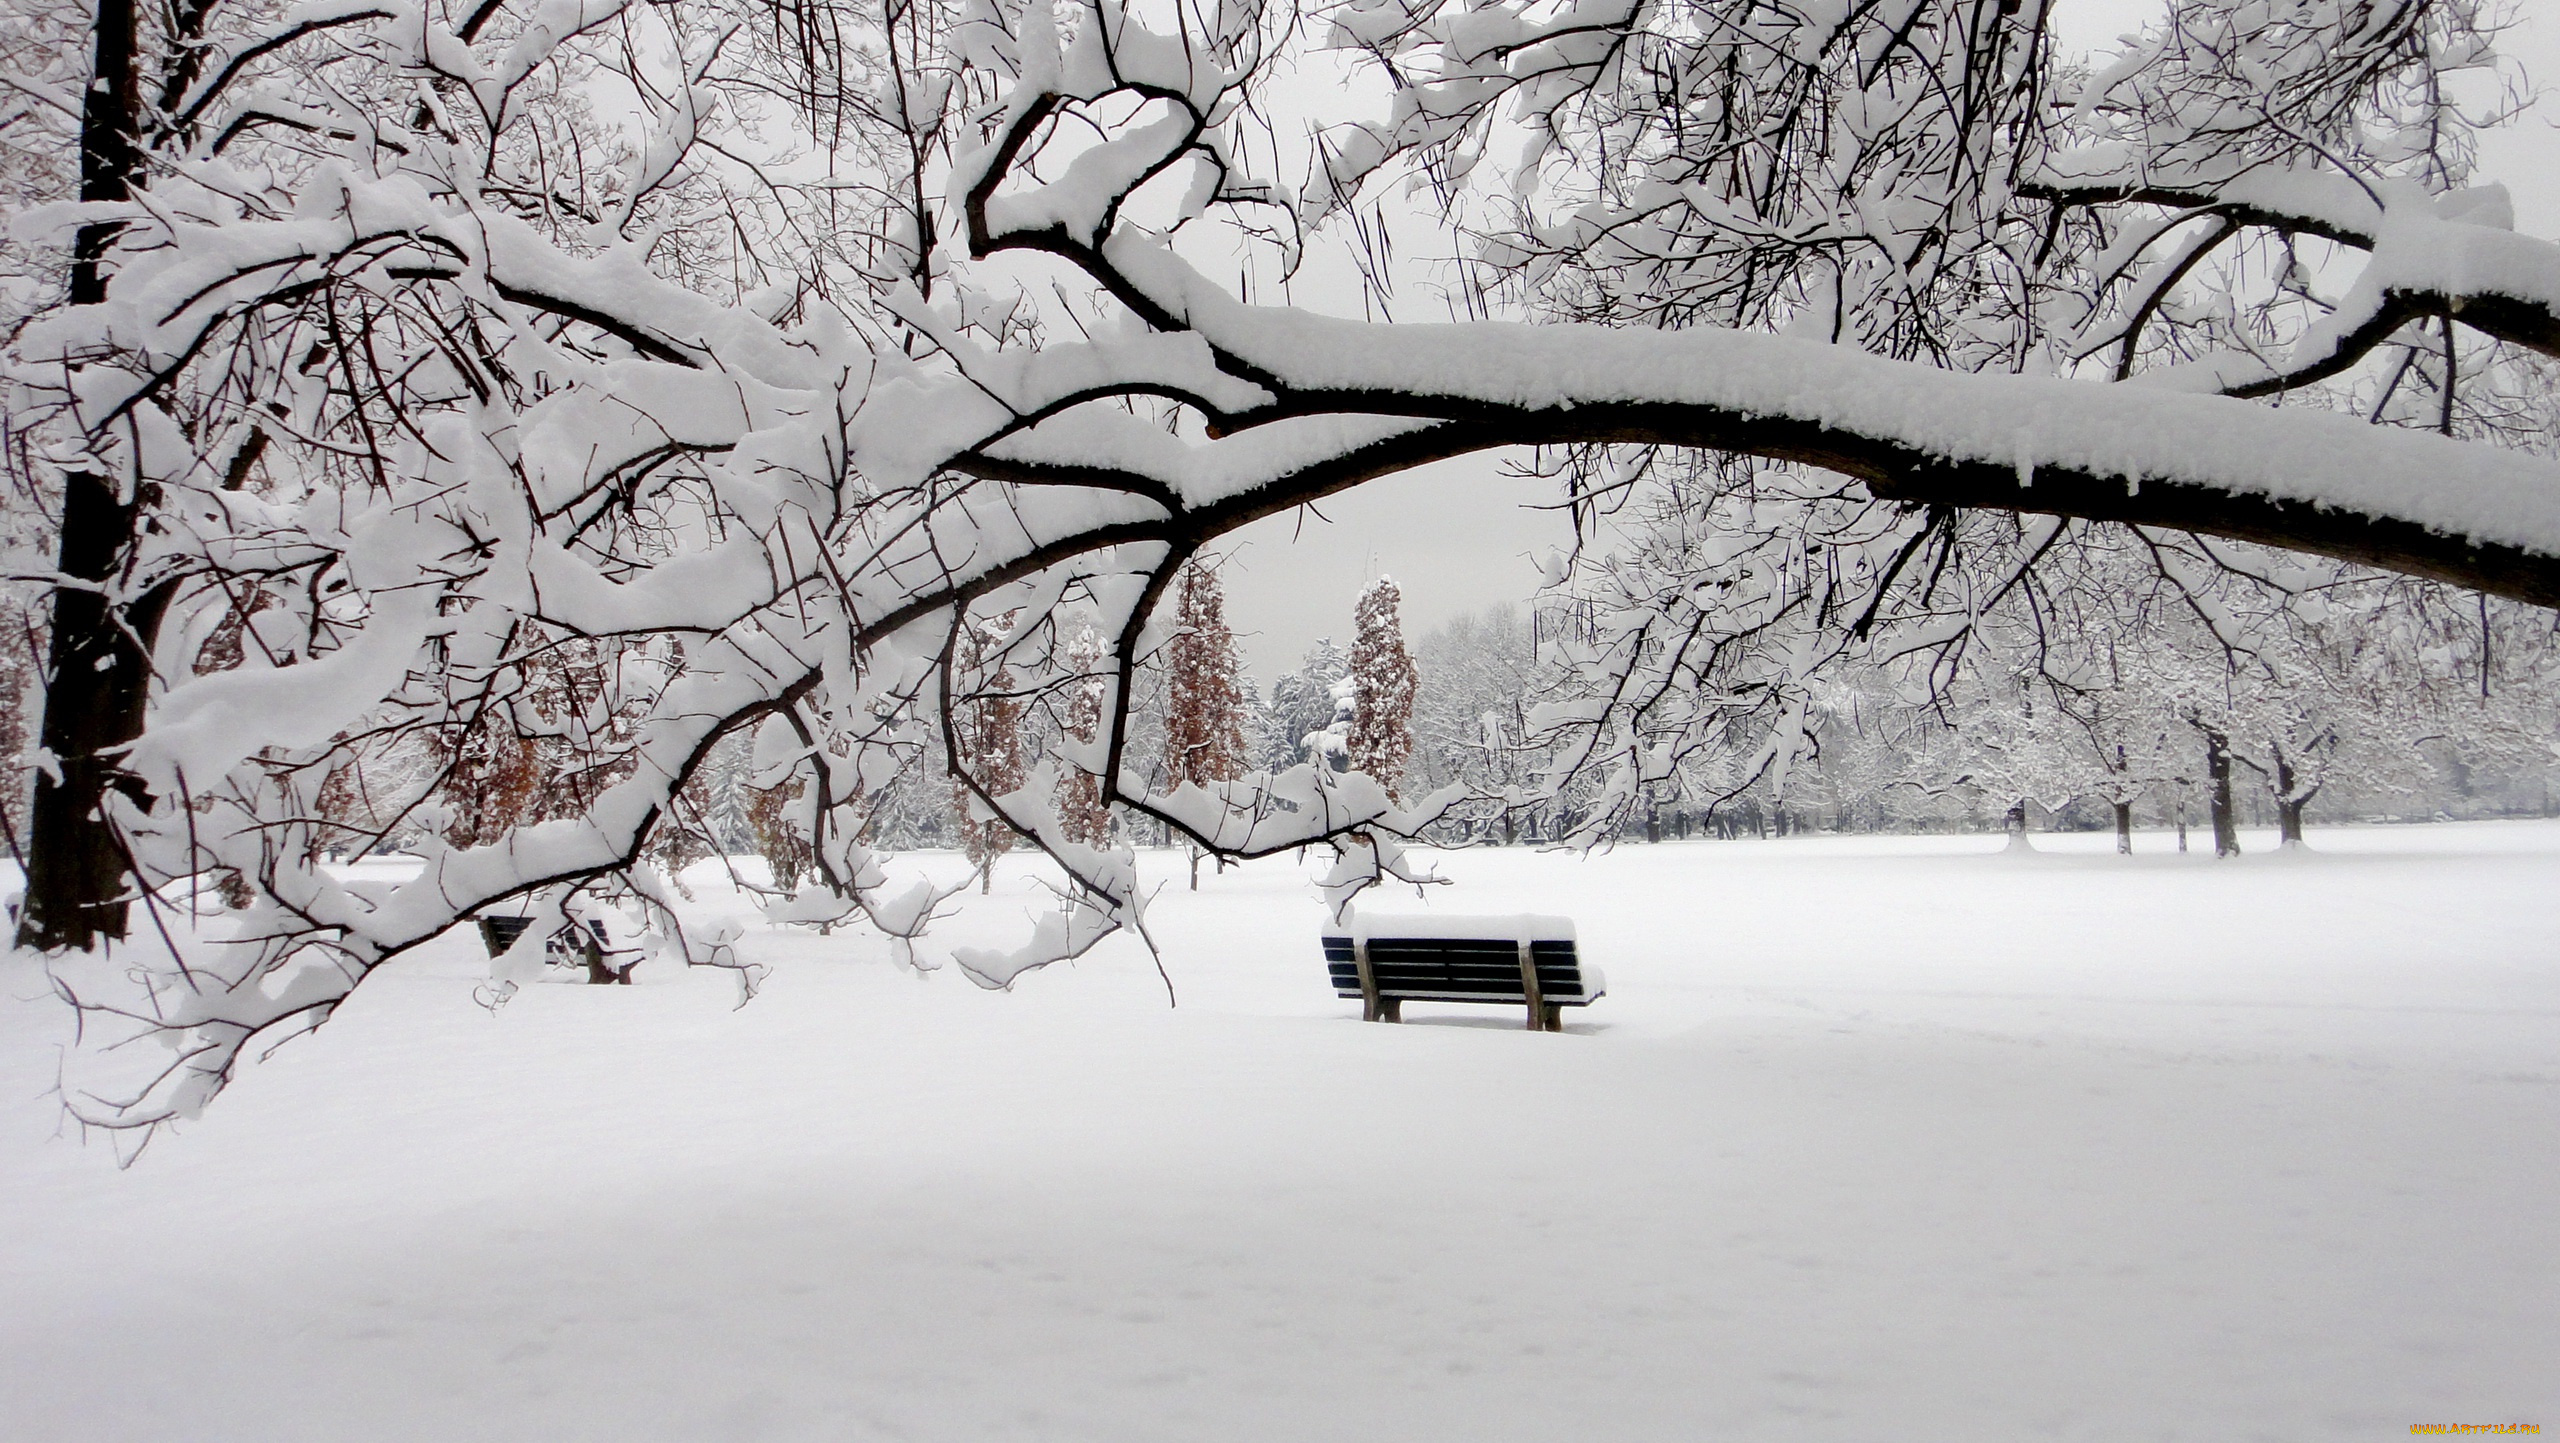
[(1515, 961), (569, 944)]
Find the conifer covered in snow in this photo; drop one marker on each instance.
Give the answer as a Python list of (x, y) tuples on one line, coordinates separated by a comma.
[(1204, 691), (1382, 687), (1302, 706), (1082, 814)]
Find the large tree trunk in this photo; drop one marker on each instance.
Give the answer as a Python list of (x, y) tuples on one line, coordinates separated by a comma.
[(2124, 829), (2288, 805), (97, 666), (2015, 823), (2217, 774)]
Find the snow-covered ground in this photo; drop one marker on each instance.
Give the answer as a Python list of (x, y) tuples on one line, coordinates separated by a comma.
[(1873, 1139)]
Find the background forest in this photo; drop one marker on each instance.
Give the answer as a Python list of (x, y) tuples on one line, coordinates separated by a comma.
[(2402, 702)]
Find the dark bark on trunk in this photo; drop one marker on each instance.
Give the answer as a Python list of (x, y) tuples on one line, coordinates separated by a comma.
[(2015, 823), (1652, 825), (110, 158), (2217, 773), (97, 668), (2124, 829), (97, 680), (2289, 805)]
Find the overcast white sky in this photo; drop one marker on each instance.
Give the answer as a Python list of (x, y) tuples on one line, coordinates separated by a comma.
[(1459, 536)]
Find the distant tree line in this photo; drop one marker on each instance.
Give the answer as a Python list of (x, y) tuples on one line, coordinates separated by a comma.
[(2251, 700), (2209, 686)]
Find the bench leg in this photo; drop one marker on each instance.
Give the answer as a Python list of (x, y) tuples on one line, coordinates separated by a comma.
[(1555, 1017), (1529, 992), (1390, 1009)]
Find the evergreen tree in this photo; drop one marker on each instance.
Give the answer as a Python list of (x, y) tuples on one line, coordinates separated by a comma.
[(1204, 702), (1081, 813), (1302, 704), (1204, 708), (1382, 682)]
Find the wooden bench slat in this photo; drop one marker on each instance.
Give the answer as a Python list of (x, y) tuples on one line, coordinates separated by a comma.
[(1554, 982), (1462, 945)]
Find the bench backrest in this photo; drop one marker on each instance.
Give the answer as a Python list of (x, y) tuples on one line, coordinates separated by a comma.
[(1456, 969), (500, 933)]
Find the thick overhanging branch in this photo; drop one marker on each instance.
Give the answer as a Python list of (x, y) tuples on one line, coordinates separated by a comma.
[(2468, 514), (2383, 542), (1894, 470), (2525, 323)]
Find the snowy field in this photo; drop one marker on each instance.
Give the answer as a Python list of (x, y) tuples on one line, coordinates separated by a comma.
[(1874, 1139)]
